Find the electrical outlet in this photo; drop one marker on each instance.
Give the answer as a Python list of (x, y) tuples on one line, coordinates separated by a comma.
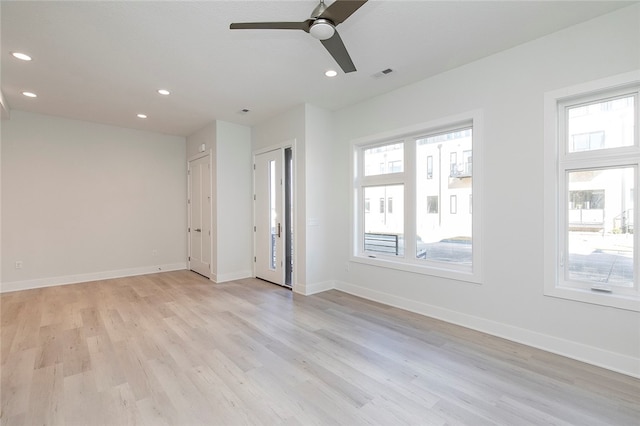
[(18, 264)]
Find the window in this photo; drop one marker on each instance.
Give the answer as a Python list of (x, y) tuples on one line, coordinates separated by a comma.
[(592, 143), (395, 166), (587, 141), (383, 230), (447, 236), (381, 155), (453, 166), (432, 204), (468, 163), (585, 199), (410, 231)]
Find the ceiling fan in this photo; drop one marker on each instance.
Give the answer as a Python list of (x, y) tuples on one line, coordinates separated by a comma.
[(322, 25)]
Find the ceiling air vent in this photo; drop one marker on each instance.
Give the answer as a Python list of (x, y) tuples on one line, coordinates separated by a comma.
[(383, 73)]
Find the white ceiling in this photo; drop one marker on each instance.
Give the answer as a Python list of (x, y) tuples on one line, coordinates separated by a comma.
[(103, 61)]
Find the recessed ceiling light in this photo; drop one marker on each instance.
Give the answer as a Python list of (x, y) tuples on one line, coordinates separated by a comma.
[(21, 56), (30, 94), (331, 73), (163, 92), (142, 116)]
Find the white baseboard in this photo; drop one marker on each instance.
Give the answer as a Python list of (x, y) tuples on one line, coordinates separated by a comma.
[(231, 276), (309, 289), (6, 287), (589, 354)]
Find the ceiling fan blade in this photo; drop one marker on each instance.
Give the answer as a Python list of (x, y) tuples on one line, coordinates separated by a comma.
[(304, 25), (340, 10), (336, 48)]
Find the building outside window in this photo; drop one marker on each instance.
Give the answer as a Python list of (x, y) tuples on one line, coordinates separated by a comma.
[(395, 166), (587, 141)]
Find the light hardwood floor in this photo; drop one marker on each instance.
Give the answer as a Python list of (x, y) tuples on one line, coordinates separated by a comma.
[(174, 348)]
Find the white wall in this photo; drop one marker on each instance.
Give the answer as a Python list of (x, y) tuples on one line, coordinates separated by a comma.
[(206, 136), (286, 127), (508, 87), (83, 201), (234, 201), (321, 240)]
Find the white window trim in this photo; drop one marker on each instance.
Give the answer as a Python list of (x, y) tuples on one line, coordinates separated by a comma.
[(438, 269), (553, 197)]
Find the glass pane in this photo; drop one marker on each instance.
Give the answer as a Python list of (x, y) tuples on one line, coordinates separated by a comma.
[(273, 215), (444, 172), (601, 125), (600, 226), (384, 227), (383, 160)]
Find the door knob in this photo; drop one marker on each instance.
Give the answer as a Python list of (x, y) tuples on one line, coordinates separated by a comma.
[(198, 230)]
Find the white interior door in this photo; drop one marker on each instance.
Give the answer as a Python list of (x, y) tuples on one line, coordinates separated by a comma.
[(269, 217), (200, 216)]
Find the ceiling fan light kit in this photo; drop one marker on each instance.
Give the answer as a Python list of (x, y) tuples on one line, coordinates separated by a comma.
[(322, 29), (322, 26)]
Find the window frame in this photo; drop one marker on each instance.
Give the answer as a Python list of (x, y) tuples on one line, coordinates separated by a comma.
[(559, 162), (409, 136)]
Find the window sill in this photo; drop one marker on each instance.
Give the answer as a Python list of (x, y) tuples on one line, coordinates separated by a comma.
[(459, 274), (612, 300)]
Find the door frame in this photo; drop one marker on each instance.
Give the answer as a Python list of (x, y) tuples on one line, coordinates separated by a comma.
[(294, 205), (212, 214)]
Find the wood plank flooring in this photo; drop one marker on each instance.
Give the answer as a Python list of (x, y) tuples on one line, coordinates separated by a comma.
[(175, 349)]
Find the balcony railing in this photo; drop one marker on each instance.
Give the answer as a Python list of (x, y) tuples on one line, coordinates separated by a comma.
[(461, 171), (381, 243)]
